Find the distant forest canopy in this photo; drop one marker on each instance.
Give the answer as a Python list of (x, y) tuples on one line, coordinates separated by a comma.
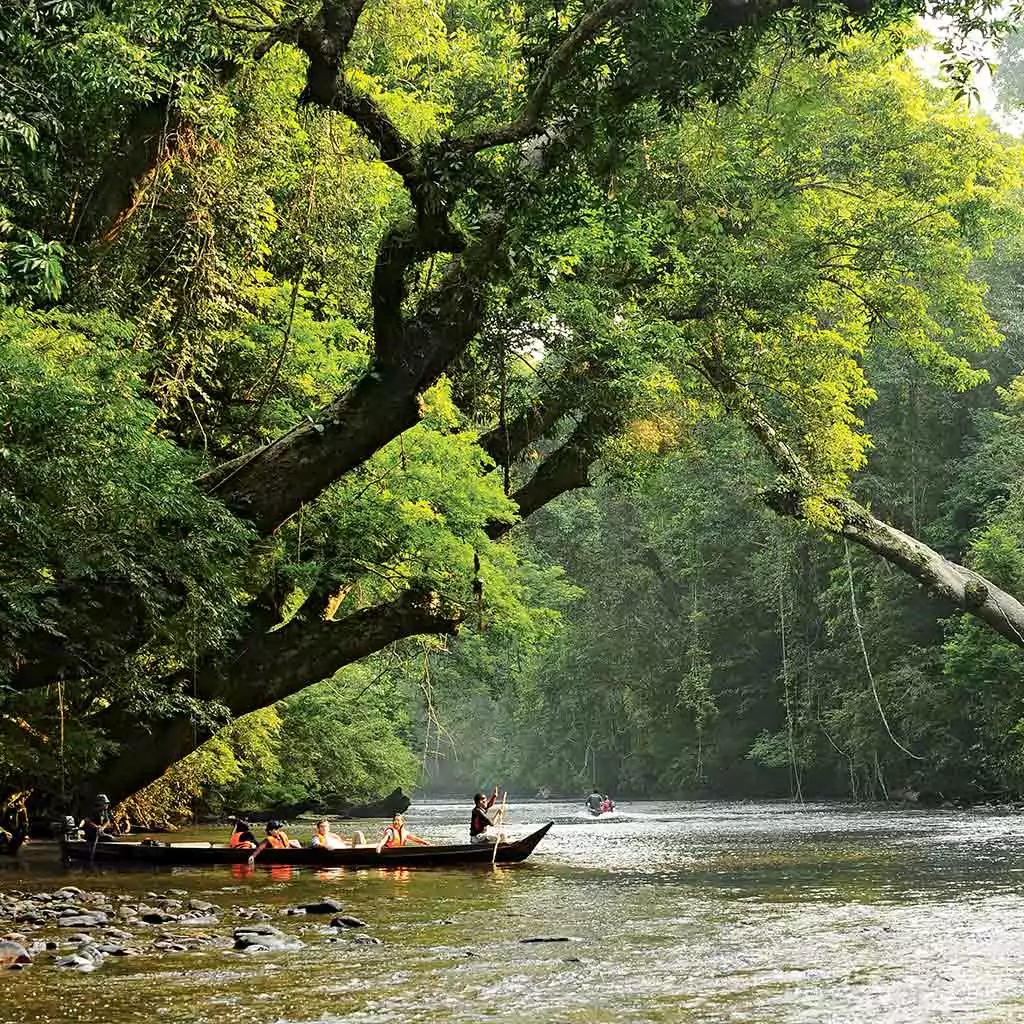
[(619, 392)]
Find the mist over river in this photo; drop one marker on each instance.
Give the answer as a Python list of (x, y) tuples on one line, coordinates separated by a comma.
[(674, 912)]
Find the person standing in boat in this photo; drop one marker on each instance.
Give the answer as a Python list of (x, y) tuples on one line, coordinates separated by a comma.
[(99, 826), (480, 823), (594, 802)]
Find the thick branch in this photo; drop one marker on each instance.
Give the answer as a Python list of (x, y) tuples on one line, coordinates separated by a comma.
[(402, 246), (505, 443), (271, 484), (960, 586), (957, 584), (270, 667), (526, 123), (325, 41), (565, 469)]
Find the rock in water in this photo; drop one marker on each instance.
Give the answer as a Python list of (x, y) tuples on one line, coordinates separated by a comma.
[(88, 958), (322, 907), (13, 955), (345, 921)]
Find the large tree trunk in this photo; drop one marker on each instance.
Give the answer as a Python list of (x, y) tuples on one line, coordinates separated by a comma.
[(150, 138)]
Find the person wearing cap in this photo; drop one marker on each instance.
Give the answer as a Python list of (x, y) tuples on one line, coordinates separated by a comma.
[(276, 838), (100, 826)]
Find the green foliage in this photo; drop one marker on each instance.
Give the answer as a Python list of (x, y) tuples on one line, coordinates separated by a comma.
[(698, 190), (90, 494)]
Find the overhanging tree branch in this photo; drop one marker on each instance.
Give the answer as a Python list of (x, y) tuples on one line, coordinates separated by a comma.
[(957, 584), (270, 667), (526, 123)]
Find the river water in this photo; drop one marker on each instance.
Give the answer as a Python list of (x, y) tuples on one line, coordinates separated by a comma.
[(673, 912)]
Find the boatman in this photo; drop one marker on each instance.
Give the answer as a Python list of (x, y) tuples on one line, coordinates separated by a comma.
[(100, 826), (594, 802), (479, 823)]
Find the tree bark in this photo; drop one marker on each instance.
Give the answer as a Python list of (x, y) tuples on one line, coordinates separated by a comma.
[(959, 586), (956, 584), (268, 668), (271, 484), (149, 139)]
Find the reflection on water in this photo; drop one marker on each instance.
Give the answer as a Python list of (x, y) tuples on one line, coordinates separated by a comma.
[(672, 912)]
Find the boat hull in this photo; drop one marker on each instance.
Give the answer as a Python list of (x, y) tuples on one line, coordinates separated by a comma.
[(203, 855)]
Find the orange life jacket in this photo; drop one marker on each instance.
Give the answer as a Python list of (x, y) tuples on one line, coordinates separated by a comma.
[(328, 841), (278, 841), (236, 842), (394, 836)]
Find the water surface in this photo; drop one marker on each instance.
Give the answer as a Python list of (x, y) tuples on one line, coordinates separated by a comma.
[(673, 912)]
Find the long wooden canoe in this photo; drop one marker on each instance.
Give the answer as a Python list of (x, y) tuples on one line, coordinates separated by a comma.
[(202, 854)]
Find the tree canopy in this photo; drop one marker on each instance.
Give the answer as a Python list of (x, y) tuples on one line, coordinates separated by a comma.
[(307, 304)]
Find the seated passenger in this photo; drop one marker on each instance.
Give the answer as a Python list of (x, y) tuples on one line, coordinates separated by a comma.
[(395, 835), (607, 804), (276, 838), (328, 840), (242, 837)]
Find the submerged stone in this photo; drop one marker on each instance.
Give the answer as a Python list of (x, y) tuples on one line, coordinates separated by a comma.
[(13, 955)]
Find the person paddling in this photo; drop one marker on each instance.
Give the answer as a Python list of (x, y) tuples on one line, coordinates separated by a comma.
[(479, 822), (396, 835)]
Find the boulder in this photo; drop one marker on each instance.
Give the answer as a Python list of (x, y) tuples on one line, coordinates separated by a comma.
[(322, 907), (346, 921), (82, 921), (86, 959)]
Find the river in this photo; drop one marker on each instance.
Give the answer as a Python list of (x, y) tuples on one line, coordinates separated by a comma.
[(673, 912)]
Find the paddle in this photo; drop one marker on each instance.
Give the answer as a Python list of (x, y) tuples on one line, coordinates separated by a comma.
[(501, 821)]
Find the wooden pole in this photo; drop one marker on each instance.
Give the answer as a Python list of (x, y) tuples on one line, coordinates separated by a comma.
[(501, 821)]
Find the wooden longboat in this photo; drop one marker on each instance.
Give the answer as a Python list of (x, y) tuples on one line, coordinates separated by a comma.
[(206, 854)]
